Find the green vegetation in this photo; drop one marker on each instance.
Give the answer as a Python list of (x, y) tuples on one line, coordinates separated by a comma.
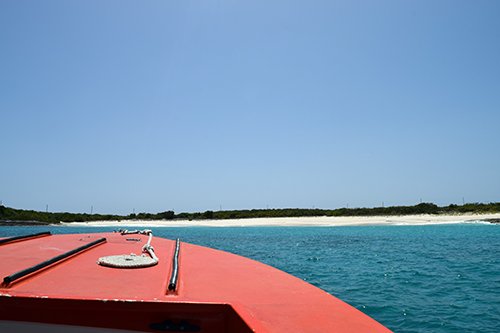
[(30, 216), (423, 208), (17, 215), (11, 215)]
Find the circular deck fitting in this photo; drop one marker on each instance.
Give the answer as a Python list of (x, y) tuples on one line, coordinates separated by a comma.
[(127, 261)]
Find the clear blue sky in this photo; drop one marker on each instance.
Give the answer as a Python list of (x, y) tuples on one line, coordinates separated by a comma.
[(194, 105)]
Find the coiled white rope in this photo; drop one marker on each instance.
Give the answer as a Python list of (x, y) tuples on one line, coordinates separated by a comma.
[(132, 260)]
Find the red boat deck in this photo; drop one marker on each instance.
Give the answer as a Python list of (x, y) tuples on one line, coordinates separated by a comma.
[(216, 292)]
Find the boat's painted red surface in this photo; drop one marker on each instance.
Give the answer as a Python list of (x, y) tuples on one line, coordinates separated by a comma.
[(217, 291)]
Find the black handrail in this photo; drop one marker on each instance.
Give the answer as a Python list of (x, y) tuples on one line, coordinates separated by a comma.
[(172, 285), (23, 237), (11, 278)]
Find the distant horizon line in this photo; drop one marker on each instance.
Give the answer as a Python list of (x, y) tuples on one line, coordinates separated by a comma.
[(347, 207)]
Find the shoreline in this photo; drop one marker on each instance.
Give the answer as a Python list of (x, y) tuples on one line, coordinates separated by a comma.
[(314, 221)]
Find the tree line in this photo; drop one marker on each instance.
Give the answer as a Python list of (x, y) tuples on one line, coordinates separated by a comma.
[(8, 214), (422, 208)]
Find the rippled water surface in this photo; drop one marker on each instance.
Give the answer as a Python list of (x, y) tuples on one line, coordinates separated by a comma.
[(410, 278)]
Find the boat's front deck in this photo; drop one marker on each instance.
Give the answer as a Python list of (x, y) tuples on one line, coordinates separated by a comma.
[(216, 292)]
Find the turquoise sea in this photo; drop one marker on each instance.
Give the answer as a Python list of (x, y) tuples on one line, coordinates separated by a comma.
[(438, 278)]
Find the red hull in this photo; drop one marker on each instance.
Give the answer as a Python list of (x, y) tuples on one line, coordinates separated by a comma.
[(216, 291)]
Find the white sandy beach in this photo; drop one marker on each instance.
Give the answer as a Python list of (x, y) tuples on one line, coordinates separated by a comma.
[(325, 221)]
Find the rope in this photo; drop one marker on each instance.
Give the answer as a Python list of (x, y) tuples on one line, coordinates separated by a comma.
[(132, 260), (148, 248)]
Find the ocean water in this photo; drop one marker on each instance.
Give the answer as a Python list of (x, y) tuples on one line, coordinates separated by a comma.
[(438, 278)]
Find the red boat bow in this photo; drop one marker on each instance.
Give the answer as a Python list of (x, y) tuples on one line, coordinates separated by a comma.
[(214, 291)]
